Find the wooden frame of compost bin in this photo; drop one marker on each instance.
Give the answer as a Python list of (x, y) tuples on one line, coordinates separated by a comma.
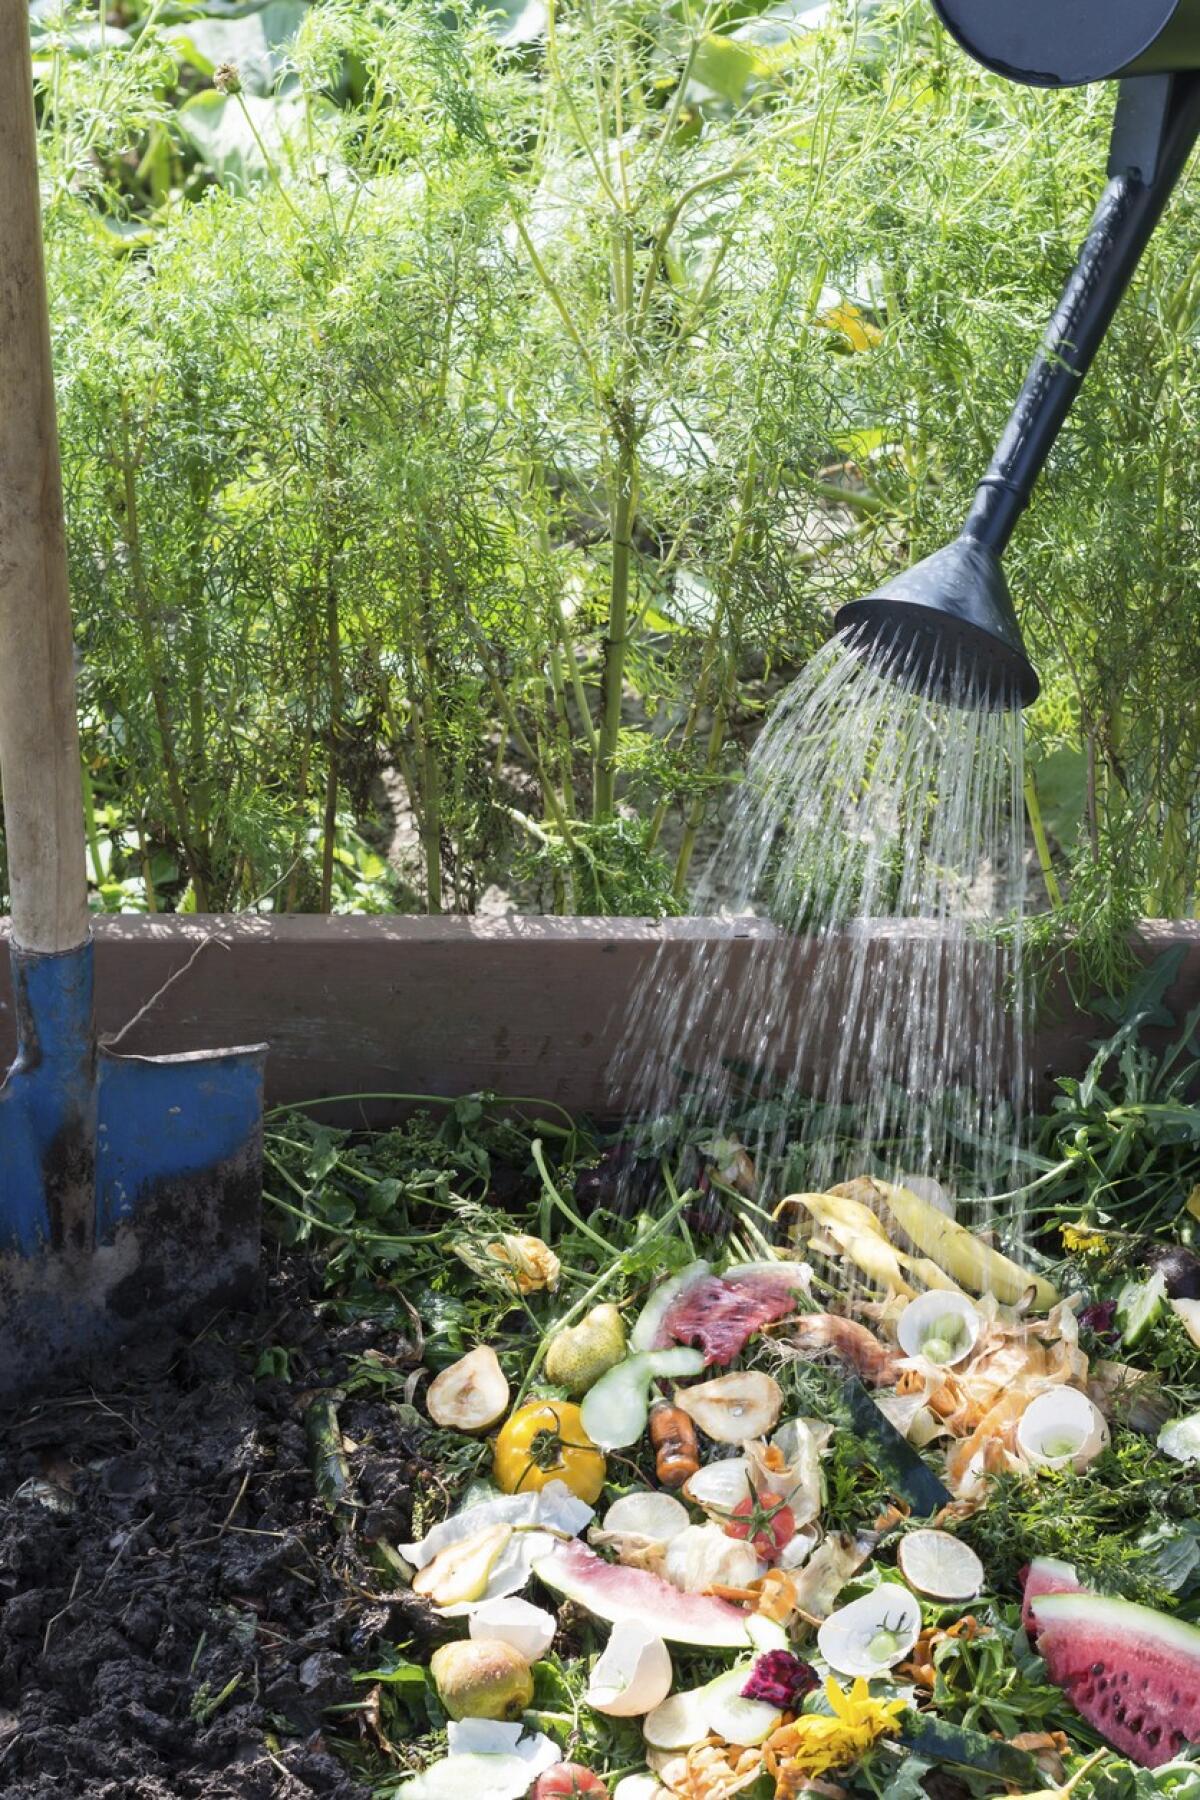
[(399, 1005)]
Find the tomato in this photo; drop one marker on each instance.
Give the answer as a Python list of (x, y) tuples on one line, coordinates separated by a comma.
[(545, 1441), (565, 1779), (766, 1521)]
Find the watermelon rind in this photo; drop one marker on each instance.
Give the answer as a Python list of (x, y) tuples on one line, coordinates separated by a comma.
[(1131, 1672), (612, 1592), (1046, 1575), (1102, 1612)]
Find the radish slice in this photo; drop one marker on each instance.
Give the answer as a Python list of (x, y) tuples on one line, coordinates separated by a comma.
[(633, 1675), (733, 1407), (659, 1517), (637, 1787), (737, 1720), (471, 1394)]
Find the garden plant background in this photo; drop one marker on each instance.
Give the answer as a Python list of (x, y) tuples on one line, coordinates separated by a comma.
[(475, 415)]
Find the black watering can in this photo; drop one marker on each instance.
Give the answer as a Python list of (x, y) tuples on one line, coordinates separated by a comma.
[(948, 622)]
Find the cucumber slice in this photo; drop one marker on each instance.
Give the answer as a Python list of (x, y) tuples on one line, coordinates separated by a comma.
[(616, 1409), (737, 1720), (1139, 1307)]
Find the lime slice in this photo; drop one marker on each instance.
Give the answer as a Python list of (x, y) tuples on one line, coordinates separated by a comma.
[(939, 1565), (1139, 1306)]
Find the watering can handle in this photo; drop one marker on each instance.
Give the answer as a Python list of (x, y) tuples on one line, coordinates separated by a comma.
[(39, 732)]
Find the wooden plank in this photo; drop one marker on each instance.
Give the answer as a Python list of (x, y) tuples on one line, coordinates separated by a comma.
[(399, 1005)]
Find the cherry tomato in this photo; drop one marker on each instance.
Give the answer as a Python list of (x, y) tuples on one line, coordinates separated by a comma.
[(543, 1442), (567, 1779), (766, 1521)]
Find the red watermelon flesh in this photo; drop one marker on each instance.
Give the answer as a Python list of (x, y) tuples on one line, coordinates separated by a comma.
[(1046, 1575), (719, 1313), (1132, 1673)]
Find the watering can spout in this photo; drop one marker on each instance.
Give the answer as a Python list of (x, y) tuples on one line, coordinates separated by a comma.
[(947, 626)]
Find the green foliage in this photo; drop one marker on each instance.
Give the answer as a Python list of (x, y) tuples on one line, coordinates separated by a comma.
[(486, 397), (1121, 1144), (1094, 1521)]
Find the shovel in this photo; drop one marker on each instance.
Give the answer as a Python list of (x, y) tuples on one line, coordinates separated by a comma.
[(130, 1186)]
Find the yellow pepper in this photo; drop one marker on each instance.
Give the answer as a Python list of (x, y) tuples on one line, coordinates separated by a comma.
[(544, 1441)]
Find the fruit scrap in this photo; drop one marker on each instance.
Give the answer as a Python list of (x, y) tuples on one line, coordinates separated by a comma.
[(732, 1408), (677, 1449), (972, 1264), (545, 1441), (459, 1573), (482, 1680), (719, 1313), (471, 1394), (578, 1355), (1134, 1674), (616, 1409), (565, 1779), (858, 1235)]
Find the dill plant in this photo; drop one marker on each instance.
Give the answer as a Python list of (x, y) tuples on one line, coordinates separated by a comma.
[(492, 397)]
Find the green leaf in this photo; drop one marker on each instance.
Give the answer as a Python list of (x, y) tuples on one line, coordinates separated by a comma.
[(726, 68)]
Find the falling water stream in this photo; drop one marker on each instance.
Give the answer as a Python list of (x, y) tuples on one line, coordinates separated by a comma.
[(883, 833)]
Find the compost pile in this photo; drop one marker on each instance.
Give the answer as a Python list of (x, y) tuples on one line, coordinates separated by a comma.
[(564, 1461), (176, 1611)]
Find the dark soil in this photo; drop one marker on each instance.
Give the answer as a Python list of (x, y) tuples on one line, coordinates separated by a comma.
[(161, 1539)]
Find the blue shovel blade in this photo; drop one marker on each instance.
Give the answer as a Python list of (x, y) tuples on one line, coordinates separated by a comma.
[(130, 1186)]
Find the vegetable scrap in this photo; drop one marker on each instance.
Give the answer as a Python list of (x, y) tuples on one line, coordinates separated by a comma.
[(835, 1495)]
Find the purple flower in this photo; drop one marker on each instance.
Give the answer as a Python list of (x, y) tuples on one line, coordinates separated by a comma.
[(1099, 1316), (780, 1679)]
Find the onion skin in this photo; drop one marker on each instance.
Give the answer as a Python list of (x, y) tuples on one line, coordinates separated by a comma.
[(675, 1443), (876, 1362)]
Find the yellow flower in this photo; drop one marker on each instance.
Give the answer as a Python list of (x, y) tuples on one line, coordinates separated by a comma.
[(813, 1743), (1078, 1237)]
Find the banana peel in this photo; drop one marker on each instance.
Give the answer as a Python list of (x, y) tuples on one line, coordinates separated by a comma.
[(859, 1236), (974, 1265)]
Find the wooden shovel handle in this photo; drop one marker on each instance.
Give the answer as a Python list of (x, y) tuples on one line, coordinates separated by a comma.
[(39, 732)]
